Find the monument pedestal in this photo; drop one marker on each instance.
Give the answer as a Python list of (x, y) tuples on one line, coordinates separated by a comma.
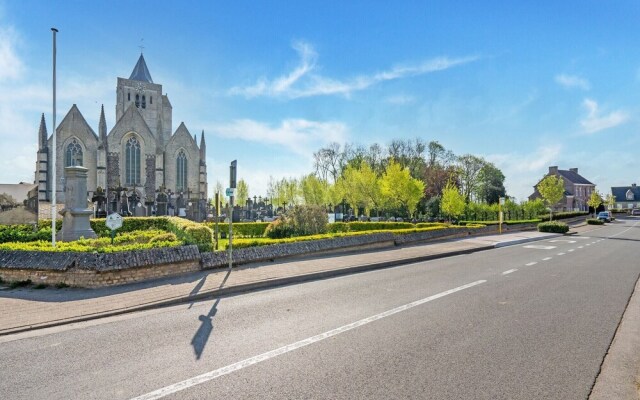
[(75, 214)]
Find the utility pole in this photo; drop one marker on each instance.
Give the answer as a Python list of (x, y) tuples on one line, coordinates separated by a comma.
[(232, 188)]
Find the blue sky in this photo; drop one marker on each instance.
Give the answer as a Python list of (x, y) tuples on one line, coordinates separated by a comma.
[(525, 85)]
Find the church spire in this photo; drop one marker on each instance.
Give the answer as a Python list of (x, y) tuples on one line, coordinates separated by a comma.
[(102, 127), (140, 71), (203, 147), (42, 134)]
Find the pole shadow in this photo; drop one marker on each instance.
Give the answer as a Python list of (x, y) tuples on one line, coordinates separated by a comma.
[(202, 335)]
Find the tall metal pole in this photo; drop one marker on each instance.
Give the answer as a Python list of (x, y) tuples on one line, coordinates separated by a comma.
[(53, 150)]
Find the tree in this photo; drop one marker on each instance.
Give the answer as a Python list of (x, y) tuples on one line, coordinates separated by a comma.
[(533, 208), (400, 189), (409, 154), (329, 162), (313, 190), (453, 202), (491, 184), (469, 167), (610, 201), (594, 201), (551, 188), (242, 193)]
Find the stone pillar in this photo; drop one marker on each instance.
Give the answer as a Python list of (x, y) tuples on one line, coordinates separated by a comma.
[(75, 214)]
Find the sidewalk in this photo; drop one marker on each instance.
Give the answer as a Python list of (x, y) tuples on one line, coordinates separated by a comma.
[(25, 309)]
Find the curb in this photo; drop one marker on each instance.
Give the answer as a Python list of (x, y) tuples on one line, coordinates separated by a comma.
[(258, 286)]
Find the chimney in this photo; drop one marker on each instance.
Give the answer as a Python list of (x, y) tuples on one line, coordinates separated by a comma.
[(633, 185), (553, 170), (573, 170)]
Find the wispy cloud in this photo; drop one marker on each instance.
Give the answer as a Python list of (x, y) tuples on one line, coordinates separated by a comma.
[(572, 81), (299, 136), (594, 122), (302, 81), (10, 65)]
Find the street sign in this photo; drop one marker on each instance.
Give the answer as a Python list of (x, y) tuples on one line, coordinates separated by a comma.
[(231, 192), (233, 168), (114, 221), (502, 199)]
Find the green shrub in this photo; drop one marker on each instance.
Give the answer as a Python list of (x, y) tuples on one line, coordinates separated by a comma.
[(564, 215), (595, 221), (279, 229), (553, 227), (61, 285), (16, 284), (299, 221), (242, 229), (190, 232), (164, 237), (338, 227), (430, 224)]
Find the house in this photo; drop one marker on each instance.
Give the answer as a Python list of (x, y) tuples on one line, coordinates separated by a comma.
[(626, 196), (577, 190)]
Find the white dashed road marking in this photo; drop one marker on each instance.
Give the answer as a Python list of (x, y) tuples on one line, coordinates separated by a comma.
[(570, 250), (509, 271), (538, 246), (531, 263), (177, 387), (546, 259), (561, 254)]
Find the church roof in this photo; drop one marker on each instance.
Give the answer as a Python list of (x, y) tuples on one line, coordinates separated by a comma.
[(140, 71)]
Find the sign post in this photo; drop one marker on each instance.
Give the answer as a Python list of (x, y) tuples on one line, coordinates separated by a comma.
[(113, 222), (231, 194), (500, 204)]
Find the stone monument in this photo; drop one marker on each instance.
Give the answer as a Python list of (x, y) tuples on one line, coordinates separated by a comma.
[(75, 214)]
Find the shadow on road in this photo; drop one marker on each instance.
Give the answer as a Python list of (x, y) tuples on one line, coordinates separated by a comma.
[(201, 337)]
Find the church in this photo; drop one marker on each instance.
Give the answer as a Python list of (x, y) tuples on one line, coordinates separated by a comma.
[(140, 167)]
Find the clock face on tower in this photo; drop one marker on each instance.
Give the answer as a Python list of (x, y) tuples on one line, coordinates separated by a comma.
[(139, 87)]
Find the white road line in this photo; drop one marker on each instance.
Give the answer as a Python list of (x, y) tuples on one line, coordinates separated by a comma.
[(531, 263), (509, 271), (580, 247), (561, 240), (561, 254), (196, 380), (570, 250), (546, 259), (588, 244), (538, 246)]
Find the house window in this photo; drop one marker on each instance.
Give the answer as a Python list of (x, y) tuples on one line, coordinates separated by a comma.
[(128, 96), (132, 162), (629, 195), (181, 172), (73, 155), (144, 102), (150, 99)]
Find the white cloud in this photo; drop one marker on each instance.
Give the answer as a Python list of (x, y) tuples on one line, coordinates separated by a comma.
[(572, 81), (523, 171), (594, 122), (304, 82), (10, 65), (299, 136)]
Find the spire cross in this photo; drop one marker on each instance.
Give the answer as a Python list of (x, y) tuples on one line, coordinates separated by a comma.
[(141, 45)]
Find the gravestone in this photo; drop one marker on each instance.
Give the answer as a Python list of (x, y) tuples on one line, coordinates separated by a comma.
[(75, 214), (161, 201)]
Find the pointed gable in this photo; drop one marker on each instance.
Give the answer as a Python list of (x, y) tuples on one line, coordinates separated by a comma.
[(132, 121), (140, 71), (74, 124)]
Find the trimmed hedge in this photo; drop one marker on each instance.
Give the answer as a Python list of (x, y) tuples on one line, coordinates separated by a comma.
[(553, 227), (595, 221), (242, 229), (564, 215), (190, 232), (511, 222)]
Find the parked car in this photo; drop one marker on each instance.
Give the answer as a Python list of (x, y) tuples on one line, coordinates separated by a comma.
[(605, 216), (635, 211)]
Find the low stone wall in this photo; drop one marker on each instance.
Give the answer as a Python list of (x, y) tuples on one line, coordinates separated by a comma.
[(99, 269), (105, 269), (271, 252)]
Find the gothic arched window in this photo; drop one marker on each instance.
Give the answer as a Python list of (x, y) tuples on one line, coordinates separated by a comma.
[(138, 101), (132, 162), (73, 154), (144, 102), (181, 172)]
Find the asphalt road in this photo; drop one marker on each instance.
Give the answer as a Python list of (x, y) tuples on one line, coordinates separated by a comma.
[(532, 321)]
